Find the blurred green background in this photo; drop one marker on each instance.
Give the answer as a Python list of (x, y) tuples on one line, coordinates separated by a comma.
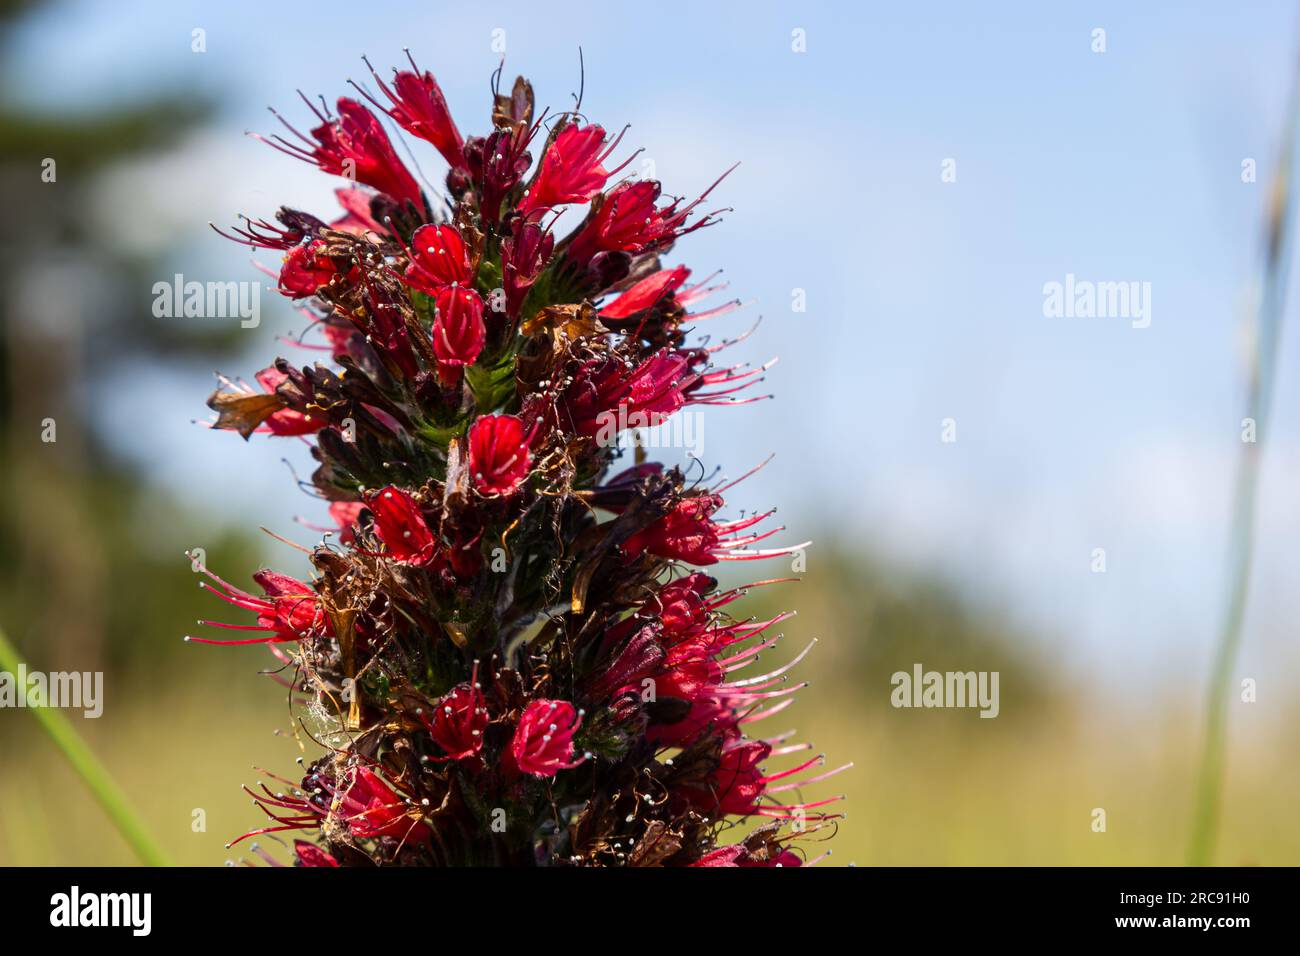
[(93, 526)]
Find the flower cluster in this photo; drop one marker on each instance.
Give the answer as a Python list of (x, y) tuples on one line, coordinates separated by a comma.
[(504, 646)]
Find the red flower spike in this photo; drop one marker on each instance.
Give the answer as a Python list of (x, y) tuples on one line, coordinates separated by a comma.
[(543, 741), (591, 616), (498, 454)]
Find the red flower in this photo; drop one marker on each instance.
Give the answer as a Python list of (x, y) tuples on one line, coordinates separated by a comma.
[(738, 855), (354, 145), (737, 783), (523, 256), (458, 330), (543, 741), (309, 854), (680, 605), (459, 720), (497, 163), (306, 270), (439, 258), (627, 220), (357, 218), (689, 533), (345, 515), (400, 525), (366, 805), (653, 289), (606, 396), (372, 809), (285, 421), (420, 109), (288, 611), (498, 454), (571, 170)]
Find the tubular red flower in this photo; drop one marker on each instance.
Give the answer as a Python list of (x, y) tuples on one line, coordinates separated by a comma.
[(306, 270), (345, 515), (372, 809), (497, 164), (689, 533), (400, 525), (357, 218), (628, 220), (606, 396), (498, 454), (524, 253), (571, 170), (288, 611), (543, 742), (737, 783), (439, 258), (459, 720), (309, 854), (680, 606), (285, 422), (738, 856), (419, 107), (458, 330), (653, 289), (354, 145)]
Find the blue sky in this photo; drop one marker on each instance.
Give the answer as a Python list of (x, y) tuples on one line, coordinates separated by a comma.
[(924, 297)]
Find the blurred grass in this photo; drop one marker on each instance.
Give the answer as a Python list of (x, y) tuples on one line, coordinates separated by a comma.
[(186, 745)]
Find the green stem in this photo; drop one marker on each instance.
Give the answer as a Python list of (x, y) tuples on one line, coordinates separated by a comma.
[(1271, 304), (93, 773)]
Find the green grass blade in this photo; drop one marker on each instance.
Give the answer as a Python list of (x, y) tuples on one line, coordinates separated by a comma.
[(93, 773), (1271, 304)]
